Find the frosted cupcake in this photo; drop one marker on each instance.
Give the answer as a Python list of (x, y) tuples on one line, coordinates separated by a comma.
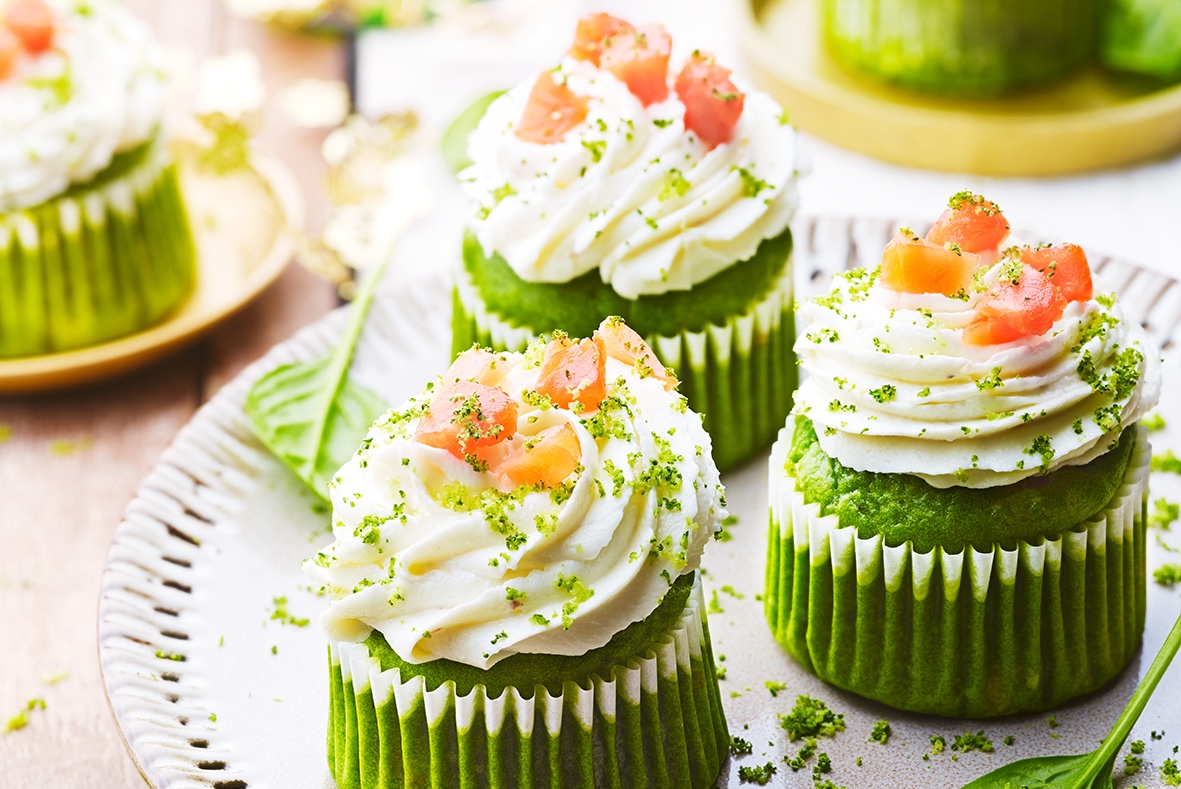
[(94, 239), (614, 185), (958, 512), (515, 595)]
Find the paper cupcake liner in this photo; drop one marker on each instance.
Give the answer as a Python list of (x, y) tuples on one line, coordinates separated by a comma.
[(1014, 628), (656, 721), (741, 373), (96, 263), (963, 46)]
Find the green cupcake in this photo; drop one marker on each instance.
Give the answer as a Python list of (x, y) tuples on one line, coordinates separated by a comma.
[(514, 585), (94, 239), (958, 511), (666, 203), (963, 47)]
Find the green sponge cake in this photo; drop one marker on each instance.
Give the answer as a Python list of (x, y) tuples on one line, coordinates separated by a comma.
[(94, 238), (618, 184), (515, 596), (958, 508)]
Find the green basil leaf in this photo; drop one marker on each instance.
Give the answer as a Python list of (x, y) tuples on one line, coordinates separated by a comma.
[(312, 433), (454, 142), (1046, 772)]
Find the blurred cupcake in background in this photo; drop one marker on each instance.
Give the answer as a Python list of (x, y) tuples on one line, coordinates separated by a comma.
[(94, 238), (624, 182)]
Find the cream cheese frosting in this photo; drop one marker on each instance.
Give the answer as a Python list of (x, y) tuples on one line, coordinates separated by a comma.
[(448, 561), (97, 92), (629, 191), (892, 386)]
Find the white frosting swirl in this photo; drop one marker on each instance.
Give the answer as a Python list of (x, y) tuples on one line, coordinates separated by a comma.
[(440, 581), (629, 191), (892, 386), (98, 91)]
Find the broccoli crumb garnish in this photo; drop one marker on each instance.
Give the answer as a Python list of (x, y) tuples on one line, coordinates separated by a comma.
[(760, 775), (810, 718), (969, 742), (880, 733), (1043, 447), (885, 394), (1168, 575), (1153, 422), (991, 381), (739, 746)]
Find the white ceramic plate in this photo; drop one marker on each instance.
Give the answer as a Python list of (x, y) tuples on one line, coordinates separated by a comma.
[(211, 692)]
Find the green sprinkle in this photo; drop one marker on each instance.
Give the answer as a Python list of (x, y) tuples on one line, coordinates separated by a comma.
[(751, 186), (885, 394), (992, 381)]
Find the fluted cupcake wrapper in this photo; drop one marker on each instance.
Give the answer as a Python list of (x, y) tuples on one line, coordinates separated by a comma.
[(96, 263), (656, 721), (740, 374), (972, 633)]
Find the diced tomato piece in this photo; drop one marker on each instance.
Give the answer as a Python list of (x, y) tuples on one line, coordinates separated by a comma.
[(1065, 265), (1025, 308), (915, 265), (622, 343), (640, 59), (32, 22), (574, 372), (479, 365), (594, 34), (713, 104), (551, 111), (466, 415), (547, 458), (972, 222), (10, 50)]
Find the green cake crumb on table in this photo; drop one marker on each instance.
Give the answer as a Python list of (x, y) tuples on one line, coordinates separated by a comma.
[(1009, 739), (1153, 422), (1169, 773), (760, 775), (21, 719), (1166, 461), (1132, 764), (973, 742), (1137, 747), (810, 718), (880, 733), (1164, 513), (1167, 575), (1052, 721), (802, 756), (282, 616), (739, 746), (774, 686)]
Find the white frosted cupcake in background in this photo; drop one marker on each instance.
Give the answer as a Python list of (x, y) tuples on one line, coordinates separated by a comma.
[(94, 239), (628, 182), (514, 579)]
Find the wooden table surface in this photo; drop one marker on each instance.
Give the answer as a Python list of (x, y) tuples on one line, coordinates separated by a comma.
[(73, 460)]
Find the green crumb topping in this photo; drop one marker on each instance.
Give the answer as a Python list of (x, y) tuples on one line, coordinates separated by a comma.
[(1009, 739), (1153, 422), (597, 148), (774, 687), (811, 718), (880, 733), (760, 775), (578, 591), (1168, 575), (739, 746), (824, 335), (21, 719), (714, 607), (1132, 764), (282, 616), (1043, 447), (1166, 462), (802, 756), (925, 391), (1169, 773), (1164, 513), (885, 394), (992, 381), (539, 620), (751, 186), (823, 765), (937, 744), (174, 656), (972, 742), (675, 185)]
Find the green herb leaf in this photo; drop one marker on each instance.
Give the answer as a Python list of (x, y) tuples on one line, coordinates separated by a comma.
[(453, 146), (310, 414)]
